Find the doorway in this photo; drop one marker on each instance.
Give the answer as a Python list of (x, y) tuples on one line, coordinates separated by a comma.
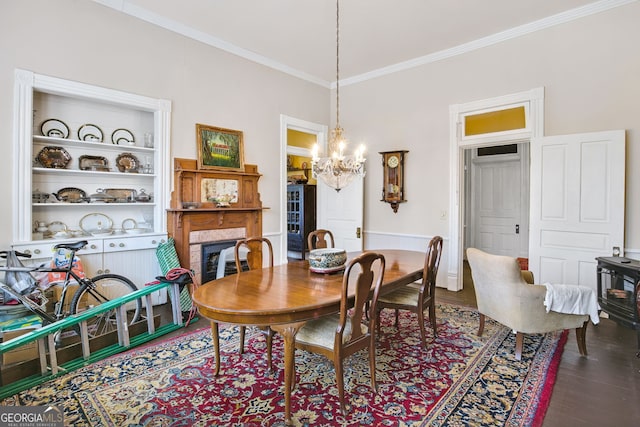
[(292, 157), (301, 211), (528, 110), (341, 212), (497, 197)]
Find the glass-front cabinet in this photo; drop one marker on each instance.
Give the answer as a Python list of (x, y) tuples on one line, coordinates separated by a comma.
[(301, 216), (91, 163)]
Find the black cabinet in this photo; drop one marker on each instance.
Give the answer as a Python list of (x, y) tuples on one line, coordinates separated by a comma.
[(619, 290), (301, 216)]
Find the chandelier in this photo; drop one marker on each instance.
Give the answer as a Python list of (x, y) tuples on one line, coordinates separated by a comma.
[(338, 169)]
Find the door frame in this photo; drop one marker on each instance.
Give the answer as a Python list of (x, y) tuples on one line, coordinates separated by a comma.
[(286, 123), (533, 101)]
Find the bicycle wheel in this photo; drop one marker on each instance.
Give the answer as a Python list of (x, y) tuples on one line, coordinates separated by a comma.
[(99, 290)]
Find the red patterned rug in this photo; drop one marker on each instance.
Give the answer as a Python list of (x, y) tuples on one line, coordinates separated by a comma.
[(459, 380)]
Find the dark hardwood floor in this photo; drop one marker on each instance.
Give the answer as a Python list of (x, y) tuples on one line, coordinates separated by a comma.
[(602, 389)]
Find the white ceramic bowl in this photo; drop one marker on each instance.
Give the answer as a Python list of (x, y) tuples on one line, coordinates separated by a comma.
[(327, 258)]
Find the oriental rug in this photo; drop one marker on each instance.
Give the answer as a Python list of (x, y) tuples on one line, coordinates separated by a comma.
[(459, 380)]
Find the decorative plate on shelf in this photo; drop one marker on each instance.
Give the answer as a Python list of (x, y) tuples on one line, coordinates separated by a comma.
[(54, 128), (122, 137), (71, 195), (90, 133), (127, 162), (96, 224), (93, 163), (54, 157)]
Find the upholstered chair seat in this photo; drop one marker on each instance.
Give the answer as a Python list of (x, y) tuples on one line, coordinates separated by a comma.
[(407, 295), (321, 332)]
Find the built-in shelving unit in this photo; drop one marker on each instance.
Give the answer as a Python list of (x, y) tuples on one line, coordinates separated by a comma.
[(138, 162)]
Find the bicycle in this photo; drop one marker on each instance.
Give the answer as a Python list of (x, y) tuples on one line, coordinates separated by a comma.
[(90, 292)]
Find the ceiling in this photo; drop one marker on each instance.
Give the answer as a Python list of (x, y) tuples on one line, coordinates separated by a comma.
[(376, 36)]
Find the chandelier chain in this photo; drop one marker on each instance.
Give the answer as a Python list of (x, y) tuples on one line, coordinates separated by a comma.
[(338, 169), (337, 64)]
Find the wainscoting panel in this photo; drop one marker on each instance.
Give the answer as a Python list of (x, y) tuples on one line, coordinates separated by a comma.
[(381, 240)]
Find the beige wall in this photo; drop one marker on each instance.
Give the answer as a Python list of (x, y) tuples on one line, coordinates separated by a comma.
[(86, 42), (590, 70)]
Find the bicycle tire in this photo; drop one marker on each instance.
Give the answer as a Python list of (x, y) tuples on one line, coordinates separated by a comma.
[(101, 289)]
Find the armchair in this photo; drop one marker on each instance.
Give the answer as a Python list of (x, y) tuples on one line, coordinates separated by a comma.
[(503, 294)]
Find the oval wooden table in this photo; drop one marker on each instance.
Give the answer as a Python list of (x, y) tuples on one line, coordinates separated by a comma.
[(287, 295)]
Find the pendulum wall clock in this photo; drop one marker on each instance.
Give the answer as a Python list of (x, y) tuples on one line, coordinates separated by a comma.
[(393, 178)]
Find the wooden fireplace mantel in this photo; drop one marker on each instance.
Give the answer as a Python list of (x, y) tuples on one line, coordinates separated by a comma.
[(191, 210)]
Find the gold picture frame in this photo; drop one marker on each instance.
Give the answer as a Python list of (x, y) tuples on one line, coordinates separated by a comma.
[(219, 148)]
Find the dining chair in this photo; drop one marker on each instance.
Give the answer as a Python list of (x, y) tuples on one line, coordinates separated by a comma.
[(318, 239), (252, 250), (340, 335), (417, 297), (249, 255)]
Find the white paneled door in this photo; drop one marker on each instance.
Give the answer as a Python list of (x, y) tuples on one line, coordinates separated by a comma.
[(577, 204), (342, 213), (497, 208)]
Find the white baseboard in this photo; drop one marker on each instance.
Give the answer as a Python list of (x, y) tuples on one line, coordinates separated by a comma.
[(632, 253)]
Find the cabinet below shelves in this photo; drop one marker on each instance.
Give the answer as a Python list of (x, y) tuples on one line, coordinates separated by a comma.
[(132, 257)]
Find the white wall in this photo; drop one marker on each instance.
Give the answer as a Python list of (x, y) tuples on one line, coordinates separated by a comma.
[(89, 43), (590, 69)]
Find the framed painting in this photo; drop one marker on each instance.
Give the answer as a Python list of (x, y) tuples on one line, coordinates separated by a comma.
[(219, 148)]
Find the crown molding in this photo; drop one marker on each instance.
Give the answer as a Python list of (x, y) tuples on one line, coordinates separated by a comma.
[(522, 30), (184, 30), (561, 18)]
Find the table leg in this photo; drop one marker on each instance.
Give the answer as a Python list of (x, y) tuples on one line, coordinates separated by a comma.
[(288, 332), (216, 346)]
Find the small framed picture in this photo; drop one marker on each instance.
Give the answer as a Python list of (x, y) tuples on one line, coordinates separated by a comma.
[(219, 148)]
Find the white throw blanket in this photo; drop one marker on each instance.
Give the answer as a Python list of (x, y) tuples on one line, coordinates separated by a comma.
[(572, 299)]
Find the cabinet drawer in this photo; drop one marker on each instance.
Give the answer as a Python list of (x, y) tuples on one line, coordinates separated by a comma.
[(40, 250), (134, 243)]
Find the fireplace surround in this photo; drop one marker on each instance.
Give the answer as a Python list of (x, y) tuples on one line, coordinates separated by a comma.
[(194, 220)]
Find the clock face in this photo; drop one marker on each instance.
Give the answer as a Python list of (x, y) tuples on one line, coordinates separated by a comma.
[(393, 161)]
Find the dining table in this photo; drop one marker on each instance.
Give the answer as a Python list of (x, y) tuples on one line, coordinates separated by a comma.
[(285, 296)]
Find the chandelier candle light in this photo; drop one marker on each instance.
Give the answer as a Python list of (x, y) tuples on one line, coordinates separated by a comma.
[(338, 170)]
